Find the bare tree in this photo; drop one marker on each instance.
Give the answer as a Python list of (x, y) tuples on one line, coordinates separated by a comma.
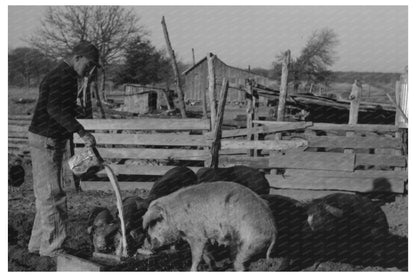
[(108, 27), (317, 55)]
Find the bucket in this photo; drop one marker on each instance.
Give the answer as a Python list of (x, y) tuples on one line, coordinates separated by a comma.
[(88, 161)]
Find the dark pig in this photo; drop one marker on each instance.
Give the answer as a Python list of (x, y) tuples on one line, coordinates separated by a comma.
[(223, 213), (102, 230), (348, 225), (174, 179), (243, 175)]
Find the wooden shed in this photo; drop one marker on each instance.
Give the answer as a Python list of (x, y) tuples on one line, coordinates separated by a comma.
[(139, 99), (196, 80)]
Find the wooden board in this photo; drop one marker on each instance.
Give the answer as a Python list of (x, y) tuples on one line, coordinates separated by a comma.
[(332, 183), (146, 139), (140, 170), (358, 174), (380, 160), (269, 128), (106, 186), (18, 134), (145, 124), (353, 142), (256, 162), (313, 160), (20, 117), (262, 144), (353, 127), (18, 128), (303, 194), (149, 153), (68, 262)]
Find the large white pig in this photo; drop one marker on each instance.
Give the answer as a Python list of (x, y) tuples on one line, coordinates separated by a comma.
[(220, 212)]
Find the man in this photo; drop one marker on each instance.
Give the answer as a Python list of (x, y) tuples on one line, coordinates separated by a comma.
[(53, 123)]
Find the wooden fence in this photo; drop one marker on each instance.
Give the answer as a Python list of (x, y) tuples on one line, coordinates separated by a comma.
[(294, 155), (337, 157)]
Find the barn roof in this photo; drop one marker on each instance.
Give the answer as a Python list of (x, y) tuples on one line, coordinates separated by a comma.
[(202, 60)]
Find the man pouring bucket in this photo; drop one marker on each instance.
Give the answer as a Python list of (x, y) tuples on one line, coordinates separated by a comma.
[(52, 125)]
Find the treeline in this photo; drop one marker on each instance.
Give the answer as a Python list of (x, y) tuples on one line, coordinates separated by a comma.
[(366, 77), (342, 76)]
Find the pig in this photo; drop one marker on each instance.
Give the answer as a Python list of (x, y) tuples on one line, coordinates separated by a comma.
[(105, 230), (348, 225), (243, 175), (102, 230), (174, 179), (290, 220), (133, 220), (223, 213)]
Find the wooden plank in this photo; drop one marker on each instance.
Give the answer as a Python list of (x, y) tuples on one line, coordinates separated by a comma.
[(18, 128), (140, 170), (149, 153), (354, 142), (19, 117), (285, 126), (358, 174), (18, 135), (265, 129), (18, 122), (66, 262), (303, 194), (380, 160), (263, 144), (355, 127), (313, 160), (333, 183), (106, 186), (148, 139), (146, 124), (256, 162)]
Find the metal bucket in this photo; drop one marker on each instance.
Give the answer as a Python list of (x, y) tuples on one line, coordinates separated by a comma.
[(88, 161)]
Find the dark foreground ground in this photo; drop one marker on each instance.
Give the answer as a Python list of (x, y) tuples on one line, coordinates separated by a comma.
[(21, 211)]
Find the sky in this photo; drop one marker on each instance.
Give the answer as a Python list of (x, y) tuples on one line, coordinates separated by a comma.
[(371, 38)]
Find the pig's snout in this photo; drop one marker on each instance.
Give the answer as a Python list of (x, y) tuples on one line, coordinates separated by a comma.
[(310, 222)]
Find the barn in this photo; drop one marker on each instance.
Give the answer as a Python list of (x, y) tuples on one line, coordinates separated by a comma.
[(196, 80)]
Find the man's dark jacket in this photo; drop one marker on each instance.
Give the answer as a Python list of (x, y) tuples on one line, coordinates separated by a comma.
[(54, 115)]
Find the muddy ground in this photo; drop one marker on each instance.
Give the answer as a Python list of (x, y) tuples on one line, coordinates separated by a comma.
[(21, 211)]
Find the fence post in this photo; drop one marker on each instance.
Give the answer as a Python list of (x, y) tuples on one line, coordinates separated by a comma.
[(175, 70), (211, 88), (355, 97), (283, 87), (217, 134), (250, 112)]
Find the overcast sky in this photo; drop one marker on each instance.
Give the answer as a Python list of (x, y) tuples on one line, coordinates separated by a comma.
[(371, 38)]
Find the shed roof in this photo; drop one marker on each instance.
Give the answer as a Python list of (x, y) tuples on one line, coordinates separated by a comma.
[(203, 59)]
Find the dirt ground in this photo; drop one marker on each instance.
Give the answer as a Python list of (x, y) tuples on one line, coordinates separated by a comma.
[(21, 211)]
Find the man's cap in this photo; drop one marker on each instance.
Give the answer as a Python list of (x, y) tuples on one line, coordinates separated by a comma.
[(88, 50)]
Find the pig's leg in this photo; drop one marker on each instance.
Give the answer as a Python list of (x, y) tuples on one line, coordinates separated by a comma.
[(244, 252), (197, 249)]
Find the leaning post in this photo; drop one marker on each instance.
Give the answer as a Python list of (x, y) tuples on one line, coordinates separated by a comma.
[(217, 133), (181, 101)]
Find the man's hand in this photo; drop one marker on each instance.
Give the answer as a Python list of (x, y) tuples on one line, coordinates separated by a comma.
[(88, 138)]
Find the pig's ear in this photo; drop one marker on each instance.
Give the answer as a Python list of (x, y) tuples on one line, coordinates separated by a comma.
[(155, 212), (333, 210)]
